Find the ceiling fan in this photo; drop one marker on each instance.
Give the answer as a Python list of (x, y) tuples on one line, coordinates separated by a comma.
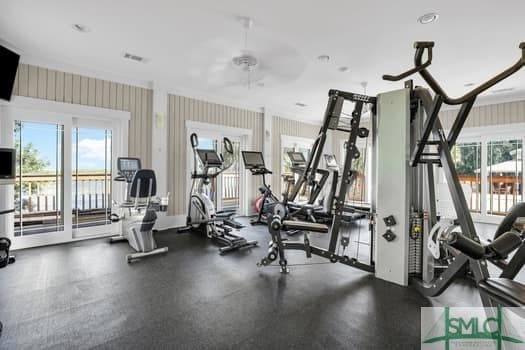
[(261, 62)]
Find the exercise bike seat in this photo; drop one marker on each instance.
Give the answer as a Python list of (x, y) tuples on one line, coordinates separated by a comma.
[(305, 226), (511, 292)]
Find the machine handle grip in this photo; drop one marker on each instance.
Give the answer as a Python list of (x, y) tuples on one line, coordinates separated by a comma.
[(420, 47), (194, 139), (228, 146), (465, 245), (505, 244), (420, 67)]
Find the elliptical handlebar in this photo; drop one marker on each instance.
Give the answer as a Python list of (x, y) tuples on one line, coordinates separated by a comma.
[(228, 146), (421, 68), (194, 139)]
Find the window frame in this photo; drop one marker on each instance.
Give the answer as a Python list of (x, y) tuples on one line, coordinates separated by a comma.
[(484, 135), (69, 116)]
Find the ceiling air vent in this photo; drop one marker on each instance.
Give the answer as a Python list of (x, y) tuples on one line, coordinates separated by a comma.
[(133, 57)]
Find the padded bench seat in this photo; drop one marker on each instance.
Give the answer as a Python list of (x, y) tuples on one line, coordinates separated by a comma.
[(512, 293), (298, 206), (305, 226)]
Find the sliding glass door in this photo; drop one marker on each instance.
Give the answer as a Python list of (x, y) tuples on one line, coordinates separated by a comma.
[(64, 169), (39, 188), (91, 177)]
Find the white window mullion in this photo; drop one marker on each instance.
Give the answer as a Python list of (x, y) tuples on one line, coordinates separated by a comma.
[(68, 176), (483, 180)]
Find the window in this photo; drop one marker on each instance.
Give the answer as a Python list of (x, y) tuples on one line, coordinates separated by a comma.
[(92, 177), (294, 144), (504, 175), (490, 167), (65, 156), (360, 191), (467, 159)]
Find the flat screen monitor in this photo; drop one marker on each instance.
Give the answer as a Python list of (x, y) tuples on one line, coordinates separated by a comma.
[(253, 159), (8, 67), (297, 158), (7, 165), (128, 164), (209, 157)]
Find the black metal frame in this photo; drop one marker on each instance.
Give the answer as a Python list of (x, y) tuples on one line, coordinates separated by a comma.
[(443, 157), (268, 196), (333, 113)]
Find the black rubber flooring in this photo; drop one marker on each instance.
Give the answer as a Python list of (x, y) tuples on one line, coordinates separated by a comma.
[(84, 295)]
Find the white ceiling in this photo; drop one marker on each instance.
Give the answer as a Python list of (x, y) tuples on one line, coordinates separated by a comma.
[(188, 44)]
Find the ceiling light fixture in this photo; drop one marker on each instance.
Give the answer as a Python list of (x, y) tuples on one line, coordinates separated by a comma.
[(428, 18), (323, 58), (343, 69), (300, 104), (81, 28), (246, 61)]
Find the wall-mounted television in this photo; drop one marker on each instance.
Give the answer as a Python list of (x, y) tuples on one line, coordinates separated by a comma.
[(8, 67), (7, 165)]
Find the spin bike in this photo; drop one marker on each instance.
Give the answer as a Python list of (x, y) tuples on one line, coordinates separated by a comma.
[(254, 162), (202, 215)]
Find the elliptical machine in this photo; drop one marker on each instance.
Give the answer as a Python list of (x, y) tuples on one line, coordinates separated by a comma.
[(138, 212), (202, 215)]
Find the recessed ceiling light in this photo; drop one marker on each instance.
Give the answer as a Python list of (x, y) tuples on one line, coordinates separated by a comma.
[(343, 69), (323, 58), (81, 28), (469, 84), (502, 90), (300, 104), (428, 18)]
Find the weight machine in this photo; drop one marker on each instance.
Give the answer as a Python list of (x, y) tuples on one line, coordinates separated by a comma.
[(429, 146), (7, 177), (279, 222)]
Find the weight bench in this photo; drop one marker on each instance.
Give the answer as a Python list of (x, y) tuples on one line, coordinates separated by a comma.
[(501, 291), (304, 226)]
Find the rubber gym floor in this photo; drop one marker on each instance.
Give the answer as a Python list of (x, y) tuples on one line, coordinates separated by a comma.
[(84, 295)]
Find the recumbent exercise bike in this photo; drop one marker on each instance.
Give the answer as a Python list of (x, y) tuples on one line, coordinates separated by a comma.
[(138, 212)]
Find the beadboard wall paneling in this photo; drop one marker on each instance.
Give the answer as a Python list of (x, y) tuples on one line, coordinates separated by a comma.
[(181, 109), (496, 114), (48, 84)]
